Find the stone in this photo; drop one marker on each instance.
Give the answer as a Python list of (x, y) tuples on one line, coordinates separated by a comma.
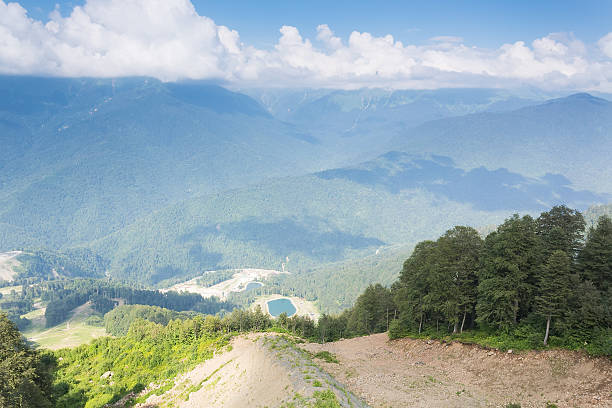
[(107, 374)]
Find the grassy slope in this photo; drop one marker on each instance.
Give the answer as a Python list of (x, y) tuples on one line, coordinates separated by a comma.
[(73, 332)]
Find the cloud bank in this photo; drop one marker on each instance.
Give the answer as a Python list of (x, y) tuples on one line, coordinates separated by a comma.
[(167, 39)]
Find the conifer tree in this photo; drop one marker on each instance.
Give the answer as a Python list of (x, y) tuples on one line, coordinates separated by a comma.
[(412, 290), (561, 228), (506, 276), (553, 288), (595, 259), (459, 251)]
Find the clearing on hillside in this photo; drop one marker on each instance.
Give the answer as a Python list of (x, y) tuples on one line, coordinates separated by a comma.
[(420, 373), (8, 261), (71, 333), (237, 283)]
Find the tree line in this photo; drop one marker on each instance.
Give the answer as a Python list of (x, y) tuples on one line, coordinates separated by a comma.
[(64, 296), (535, 279)]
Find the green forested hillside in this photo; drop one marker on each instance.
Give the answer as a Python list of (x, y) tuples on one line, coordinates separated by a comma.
[(334, 287), (327, 217), (85, 157), (308, 220)]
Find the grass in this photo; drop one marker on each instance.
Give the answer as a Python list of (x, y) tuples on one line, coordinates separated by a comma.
[(197, 387), (74, 332), (7, 290), (325, 399), (327, 356)]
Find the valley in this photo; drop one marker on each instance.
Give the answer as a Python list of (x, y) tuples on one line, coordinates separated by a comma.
[(305, 204), (210, 247)]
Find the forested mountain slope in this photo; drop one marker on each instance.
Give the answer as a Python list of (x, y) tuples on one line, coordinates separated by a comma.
[(166, 180), (84, 157), (326, 217), (571, 136)]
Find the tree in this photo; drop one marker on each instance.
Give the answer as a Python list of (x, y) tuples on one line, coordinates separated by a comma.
[(25, 379), (562, 229), (553, 288), (507, 276), (371, 311), (412, 290), (595, 259), (458, 251)]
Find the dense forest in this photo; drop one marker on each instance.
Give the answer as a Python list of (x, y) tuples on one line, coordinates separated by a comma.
[(63, 296), (530, 283)]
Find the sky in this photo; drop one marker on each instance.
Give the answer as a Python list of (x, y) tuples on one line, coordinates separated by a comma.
[(339, 44)]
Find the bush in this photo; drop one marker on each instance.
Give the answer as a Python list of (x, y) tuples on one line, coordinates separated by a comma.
[(95, 320), (327, 356)]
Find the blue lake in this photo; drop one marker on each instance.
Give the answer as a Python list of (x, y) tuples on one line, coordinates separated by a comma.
[(278, 306), (252, 285)]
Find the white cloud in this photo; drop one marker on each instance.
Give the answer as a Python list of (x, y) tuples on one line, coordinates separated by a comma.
[(605, 44), (167, 39)]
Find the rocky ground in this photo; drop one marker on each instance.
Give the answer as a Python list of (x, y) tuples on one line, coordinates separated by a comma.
[(419, 373)]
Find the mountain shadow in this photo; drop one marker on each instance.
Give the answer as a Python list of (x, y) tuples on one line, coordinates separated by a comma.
[(310, 237), (484, 189)]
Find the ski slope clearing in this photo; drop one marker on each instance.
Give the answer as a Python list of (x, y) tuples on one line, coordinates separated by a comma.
[(8, 262), (71, 333), (237, 283), (420, 373)]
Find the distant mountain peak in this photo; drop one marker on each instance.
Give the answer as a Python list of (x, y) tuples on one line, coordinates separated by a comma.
[(581, 97)]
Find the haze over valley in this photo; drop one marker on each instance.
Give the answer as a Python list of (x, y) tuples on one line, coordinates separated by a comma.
[(185, 209)]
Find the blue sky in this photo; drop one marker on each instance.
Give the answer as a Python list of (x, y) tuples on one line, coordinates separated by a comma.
[(340, 44), (479, 22)]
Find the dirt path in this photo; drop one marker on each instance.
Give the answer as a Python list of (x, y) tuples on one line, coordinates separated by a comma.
[(259, 370), (418, 373)]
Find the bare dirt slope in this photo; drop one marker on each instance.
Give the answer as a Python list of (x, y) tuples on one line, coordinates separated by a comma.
[(8, 261), (259, 370), (418, 373), (237, 283)]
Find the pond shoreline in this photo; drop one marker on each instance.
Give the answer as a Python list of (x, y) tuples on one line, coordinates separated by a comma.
[(303, 307)]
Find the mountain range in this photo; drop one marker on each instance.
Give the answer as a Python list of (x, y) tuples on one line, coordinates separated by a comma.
[(165, 180)]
